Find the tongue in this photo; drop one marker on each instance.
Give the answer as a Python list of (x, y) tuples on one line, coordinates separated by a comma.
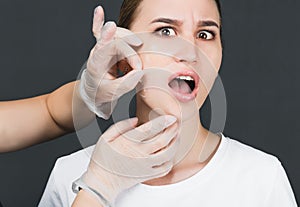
[(180, 86)]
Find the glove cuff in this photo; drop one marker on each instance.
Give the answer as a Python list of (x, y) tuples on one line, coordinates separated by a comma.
[(90, 102)]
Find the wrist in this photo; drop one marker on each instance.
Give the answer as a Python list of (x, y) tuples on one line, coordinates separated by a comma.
[(102, 182), (84, 198), (79, 186)]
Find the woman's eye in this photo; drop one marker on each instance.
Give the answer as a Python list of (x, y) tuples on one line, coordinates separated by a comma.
[(206, 35), (166, 31)]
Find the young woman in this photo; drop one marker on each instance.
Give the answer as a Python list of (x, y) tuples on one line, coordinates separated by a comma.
[(213, 170)]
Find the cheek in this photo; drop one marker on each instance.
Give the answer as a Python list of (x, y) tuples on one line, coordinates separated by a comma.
[(208, 71), (217, 60), (155, 60), (214, 54)]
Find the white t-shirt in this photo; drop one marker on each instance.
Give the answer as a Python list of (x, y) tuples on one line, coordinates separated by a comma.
[(236, 176)]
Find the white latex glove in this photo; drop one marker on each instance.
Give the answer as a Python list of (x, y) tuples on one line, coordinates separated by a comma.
[(125, 156), (100, 86)]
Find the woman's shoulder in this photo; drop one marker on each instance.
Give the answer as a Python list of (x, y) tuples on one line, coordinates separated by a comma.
[(72, 165), (242, 154), (82, 155), (66, 170)]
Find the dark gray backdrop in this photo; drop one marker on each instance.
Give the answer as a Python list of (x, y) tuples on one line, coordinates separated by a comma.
[(44, 43)]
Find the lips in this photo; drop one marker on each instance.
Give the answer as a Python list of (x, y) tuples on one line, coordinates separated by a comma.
[(184, 85)]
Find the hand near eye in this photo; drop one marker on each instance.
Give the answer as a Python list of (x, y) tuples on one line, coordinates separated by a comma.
[(100, 85), (126, 155)]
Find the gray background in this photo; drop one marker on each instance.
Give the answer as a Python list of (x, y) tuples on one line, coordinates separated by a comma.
[(44, 43)]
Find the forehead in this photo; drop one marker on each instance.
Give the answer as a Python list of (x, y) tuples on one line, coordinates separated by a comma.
[(179, 9)]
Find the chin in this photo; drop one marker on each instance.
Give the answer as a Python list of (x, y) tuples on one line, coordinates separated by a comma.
[(158, 102)]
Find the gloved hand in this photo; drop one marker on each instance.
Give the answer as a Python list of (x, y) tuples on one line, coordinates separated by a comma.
[(100, 86), (125, 156)]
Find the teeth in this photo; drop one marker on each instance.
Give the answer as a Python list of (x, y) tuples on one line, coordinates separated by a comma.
[(188, 78)]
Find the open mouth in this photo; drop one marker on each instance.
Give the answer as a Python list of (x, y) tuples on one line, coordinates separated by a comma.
[(184, 85)]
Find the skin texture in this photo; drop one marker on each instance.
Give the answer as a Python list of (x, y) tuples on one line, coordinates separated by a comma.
[(204, 143)]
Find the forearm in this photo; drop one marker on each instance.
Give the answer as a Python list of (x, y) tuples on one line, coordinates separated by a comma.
[(30, 121), (26, 122), (67, 108)]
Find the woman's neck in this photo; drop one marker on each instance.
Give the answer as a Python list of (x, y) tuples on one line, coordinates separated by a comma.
[(196, 148), (201, 151)]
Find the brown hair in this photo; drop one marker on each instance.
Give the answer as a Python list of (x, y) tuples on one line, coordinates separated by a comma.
[(129, 8)]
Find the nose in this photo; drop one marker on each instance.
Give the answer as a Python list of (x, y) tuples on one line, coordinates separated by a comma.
[(187, 52)]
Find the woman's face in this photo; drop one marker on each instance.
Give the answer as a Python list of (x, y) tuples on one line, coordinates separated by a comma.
[(187, 52)]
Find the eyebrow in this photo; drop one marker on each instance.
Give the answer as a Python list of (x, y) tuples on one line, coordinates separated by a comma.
[(167, 21), (206, 23), (201, 23)]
